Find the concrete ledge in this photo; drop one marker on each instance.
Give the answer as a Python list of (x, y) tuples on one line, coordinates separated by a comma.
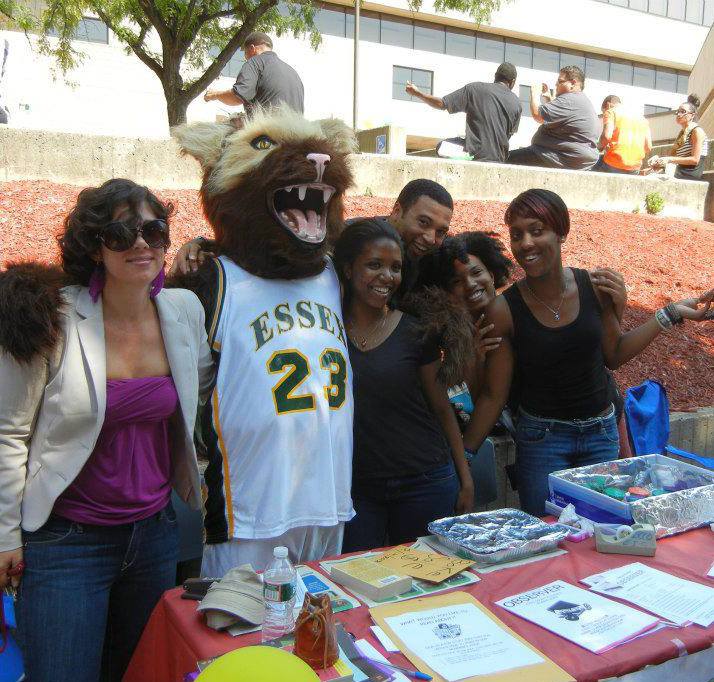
[(384, 176), (91, 159)]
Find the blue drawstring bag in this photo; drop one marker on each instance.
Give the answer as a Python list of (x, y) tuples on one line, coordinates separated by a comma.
[(11, 669), (647, 414)]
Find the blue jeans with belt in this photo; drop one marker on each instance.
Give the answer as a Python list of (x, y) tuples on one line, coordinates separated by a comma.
[(547, 445), (87, 592), (397, 510)]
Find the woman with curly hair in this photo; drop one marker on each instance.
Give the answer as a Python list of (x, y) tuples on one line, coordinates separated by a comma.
[(100, 385), (560, 333)]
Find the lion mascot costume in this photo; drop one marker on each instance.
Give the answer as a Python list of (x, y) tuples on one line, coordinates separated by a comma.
[(278, 427)]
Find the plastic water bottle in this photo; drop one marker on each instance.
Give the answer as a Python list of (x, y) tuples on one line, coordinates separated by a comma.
[(279, 581)]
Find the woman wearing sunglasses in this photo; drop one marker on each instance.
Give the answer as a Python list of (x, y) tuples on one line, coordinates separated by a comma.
[(94, 433), (691, 147)]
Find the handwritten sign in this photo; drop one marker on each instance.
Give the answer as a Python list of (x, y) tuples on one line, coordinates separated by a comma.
[(423, 565)]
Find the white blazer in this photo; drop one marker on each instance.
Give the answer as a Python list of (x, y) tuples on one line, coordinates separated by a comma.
[(52, 409)]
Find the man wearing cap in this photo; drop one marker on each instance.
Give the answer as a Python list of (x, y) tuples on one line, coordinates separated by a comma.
[(264, 80), (492, 112)]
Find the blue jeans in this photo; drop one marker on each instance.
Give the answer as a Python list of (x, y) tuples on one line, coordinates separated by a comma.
[(87, 593), (397, 510), (547, 445)]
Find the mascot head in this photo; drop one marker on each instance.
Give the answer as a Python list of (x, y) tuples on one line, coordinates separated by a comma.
[(272, 188)]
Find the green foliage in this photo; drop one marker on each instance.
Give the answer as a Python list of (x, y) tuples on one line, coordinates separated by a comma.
[(654, 203), (14, 14), (196, 38)]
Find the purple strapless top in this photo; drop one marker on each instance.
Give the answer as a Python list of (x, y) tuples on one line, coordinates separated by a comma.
[(128, 475)]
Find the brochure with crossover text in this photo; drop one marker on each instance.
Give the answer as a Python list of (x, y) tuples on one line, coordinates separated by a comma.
[(586, 619)]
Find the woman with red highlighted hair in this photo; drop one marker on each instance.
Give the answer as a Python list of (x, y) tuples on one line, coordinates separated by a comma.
[(560, 333)]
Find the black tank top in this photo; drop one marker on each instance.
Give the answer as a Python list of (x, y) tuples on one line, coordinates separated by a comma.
[(561, 372)]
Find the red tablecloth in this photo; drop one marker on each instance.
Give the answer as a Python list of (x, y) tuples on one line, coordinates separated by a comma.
[(176, 636)]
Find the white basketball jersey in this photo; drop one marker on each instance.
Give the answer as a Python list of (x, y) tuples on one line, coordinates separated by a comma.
[(282, 406)]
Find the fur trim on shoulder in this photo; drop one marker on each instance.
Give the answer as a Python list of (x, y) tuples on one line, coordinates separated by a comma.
[(30, 309), (441, 318)]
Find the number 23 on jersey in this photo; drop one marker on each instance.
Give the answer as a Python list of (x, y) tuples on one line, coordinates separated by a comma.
[(295, 368)]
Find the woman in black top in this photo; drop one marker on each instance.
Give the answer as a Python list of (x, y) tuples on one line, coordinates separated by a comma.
[(407, 445), (559, 334)]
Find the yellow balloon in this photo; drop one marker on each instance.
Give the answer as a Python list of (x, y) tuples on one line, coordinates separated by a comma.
[(258, 664)]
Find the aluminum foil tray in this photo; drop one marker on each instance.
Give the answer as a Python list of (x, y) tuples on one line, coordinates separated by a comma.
[(686, 500), (494, 537)]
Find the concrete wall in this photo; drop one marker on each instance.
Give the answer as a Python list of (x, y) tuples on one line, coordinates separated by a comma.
[(87, 160)]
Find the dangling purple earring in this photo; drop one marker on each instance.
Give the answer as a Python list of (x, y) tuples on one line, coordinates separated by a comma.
[(158, 284), (96, 282)]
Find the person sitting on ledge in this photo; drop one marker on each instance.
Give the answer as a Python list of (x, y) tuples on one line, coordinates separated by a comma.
[(691, 147), (569, 131), (493, 112)]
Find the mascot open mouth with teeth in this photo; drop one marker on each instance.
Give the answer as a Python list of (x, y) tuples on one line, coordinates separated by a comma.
[(278, 428)]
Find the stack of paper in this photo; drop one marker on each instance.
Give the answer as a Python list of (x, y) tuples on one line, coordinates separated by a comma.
[(677, 600), (454, 637), (586, 619)]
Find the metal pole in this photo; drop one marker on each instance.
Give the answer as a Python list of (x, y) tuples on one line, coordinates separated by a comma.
[(355, 84)]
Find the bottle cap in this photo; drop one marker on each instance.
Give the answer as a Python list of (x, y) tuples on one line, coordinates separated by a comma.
[(280, 552)]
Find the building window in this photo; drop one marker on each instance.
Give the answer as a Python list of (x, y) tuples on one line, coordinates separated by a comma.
[(658, 7), (489, 48), (329, 21), (676, 9), (572, 59), (682, 83), (401, 75), (90, 30), (644, 77), (546, 58), (397, 32), (519, 53), (708, 12), (460, 43), (597, 68), (524, 97), (368, 26), (666, 79), (429, 37), (695, 11), (621, 71), (655, 109)]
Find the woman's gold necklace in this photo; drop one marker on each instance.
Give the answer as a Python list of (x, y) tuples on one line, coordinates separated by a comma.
[(362, 341)]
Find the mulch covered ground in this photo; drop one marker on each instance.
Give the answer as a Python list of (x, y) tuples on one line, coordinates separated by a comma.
[(662, 259)]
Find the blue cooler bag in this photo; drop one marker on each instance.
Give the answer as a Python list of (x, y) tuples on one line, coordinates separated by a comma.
[(11, 669)]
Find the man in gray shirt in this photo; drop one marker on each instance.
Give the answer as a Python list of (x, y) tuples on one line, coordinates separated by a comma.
[(264, 79), (492, 112), (569, 131)]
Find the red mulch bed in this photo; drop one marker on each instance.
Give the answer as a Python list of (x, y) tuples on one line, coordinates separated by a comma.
[(661, 258)]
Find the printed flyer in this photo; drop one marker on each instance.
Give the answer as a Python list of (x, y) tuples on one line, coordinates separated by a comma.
[(586, 619), (460, 641)]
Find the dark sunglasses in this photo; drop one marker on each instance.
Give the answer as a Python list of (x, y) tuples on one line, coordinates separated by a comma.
[(119, 236)]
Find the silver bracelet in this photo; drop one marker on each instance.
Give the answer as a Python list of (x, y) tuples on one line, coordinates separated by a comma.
[(663, 319)]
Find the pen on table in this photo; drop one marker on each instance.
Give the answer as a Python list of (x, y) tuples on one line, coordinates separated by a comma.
[(405, 671)]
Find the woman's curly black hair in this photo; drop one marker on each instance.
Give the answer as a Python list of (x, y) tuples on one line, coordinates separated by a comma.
[(437, 268), (93, 211)]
